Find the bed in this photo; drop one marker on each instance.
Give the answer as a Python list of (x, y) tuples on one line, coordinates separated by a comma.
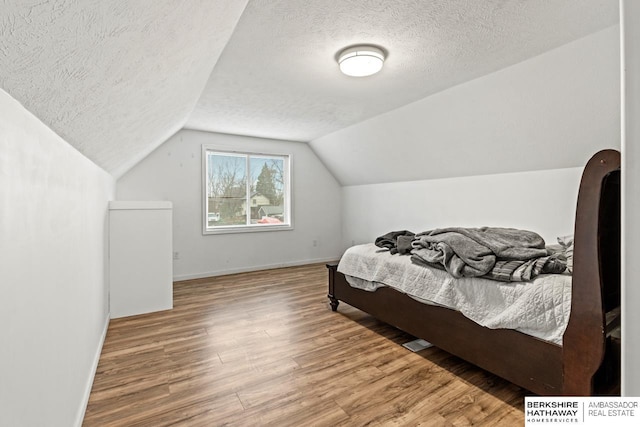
[(584, 359)]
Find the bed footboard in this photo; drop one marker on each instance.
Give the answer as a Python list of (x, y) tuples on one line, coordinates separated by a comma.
[(529, 362), (596, 277)]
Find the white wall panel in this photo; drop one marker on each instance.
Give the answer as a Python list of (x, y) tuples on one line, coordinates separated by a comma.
[(542, 201), (53, 289), (630, 18), (140, 266)]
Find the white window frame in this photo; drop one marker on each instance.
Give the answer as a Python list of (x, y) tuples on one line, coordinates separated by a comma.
[(246, 228)]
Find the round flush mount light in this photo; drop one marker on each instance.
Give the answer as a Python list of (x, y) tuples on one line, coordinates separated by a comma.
[(361, 61)]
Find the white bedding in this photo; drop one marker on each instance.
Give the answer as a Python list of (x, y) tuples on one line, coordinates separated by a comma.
[(539, 308)]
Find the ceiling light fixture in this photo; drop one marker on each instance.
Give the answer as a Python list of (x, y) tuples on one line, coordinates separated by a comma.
[(361, 61)]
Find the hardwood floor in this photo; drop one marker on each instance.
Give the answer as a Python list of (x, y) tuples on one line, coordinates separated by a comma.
[(264, 348)]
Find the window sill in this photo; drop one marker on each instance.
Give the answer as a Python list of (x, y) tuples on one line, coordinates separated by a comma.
[(246, 229)]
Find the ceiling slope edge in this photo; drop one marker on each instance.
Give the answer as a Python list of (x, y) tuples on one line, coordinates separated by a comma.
[(362, 143), (112, 80)]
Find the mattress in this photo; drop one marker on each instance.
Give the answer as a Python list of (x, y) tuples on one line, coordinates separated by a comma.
[(539, 308)]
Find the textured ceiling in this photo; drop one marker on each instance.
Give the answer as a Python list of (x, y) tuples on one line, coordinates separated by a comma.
[(116, 78), (278, 76)]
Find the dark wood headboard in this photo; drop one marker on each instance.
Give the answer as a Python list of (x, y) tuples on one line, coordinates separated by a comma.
[(596, 270)]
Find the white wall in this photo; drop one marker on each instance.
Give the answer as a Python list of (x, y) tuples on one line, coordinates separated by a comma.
[(53, 289), (549, 112), (630, 23), (173, 172), (542, 201)]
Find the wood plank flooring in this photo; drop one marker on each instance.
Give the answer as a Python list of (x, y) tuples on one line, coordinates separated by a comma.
[(264, 349)]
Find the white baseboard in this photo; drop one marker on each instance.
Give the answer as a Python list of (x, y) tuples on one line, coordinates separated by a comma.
[(247, 269), (94, 367)]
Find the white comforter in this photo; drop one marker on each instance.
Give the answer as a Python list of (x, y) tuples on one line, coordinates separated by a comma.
[(539, 308)]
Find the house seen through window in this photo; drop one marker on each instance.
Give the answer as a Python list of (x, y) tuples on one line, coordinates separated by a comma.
[(245, 191)]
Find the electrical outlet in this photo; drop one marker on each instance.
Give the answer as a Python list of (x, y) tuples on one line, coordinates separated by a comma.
[(176, 256)]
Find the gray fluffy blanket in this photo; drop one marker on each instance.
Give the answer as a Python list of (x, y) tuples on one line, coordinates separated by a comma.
[(501, 253)]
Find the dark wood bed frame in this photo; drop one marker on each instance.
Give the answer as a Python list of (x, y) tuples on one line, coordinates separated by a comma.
[(588, 362)]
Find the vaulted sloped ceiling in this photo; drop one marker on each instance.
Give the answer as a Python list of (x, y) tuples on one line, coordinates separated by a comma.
[(278, 76), (116, 78)]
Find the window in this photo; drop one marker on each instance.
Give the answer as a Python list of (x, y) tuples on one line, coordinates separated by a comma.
[(245, 191)]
